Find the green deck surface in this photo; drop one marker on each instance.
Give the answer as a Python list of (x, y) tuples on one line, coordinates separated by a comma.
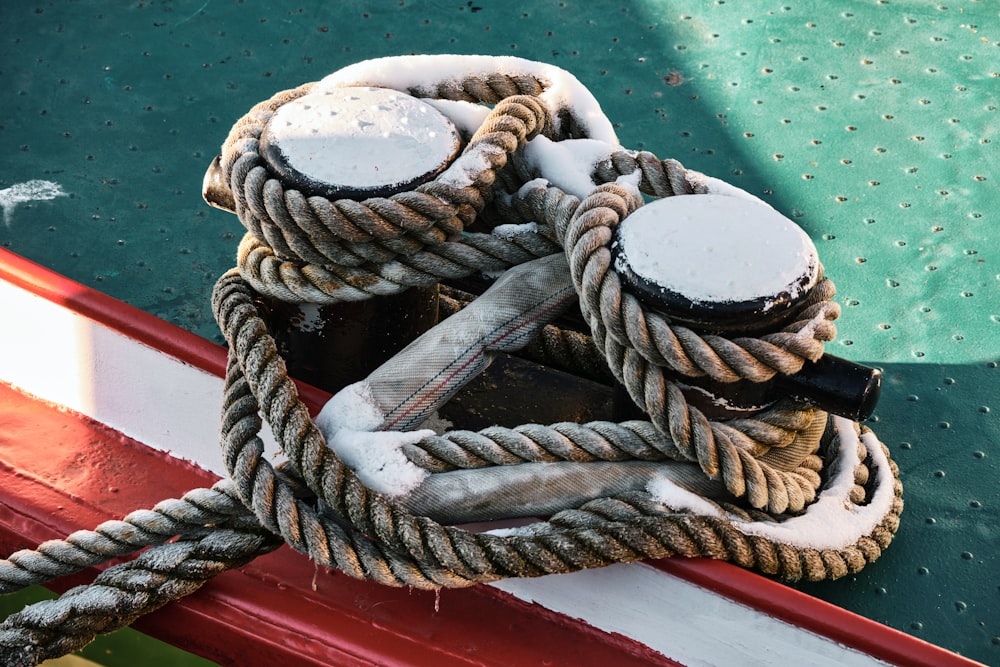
[(871, 123)]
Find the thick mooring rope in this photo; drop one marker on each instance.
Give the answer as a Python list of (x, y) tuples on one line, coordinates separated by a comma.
[(417, 551), (312, 249)]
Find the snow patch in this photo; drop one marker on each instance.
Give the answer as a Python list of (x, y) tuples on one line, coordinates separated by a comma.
[(832, 521), (348, 422), (361, 137), (509, 231), (467, 116), (718, 248), (435, 422), (528, 530), (674, 496), (569, 164), (21, 193), (354, 407), (423, 73), (463, 171)]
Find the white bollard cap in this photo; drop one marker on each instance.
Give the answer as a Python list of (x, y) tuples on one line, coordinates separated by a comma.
[(358, 142), (715, 261)]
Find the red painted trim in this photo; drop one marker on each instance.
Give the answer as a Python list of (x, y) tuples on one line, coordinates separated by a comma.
[(813, 614), (129, 320), (267, 613)]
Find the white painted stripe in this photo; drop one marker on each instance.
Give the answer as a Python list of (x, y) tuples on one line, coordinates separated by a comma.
[(685, 622), (65, 358)]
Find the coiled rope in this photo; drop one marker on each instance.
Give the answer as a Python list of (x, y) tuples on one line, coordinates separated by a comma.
[(311, 249)]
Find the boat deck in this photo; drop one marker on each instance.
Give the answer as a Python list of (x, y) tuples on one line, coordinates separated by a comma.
[(871, 124)]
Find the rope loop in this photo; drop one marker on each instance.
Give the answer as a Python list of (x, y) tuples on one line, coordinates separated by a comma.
[(295, 242), (738, 489)]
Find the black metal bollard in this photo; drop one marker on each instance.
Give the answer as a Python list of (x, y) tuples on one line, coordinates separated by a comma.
[(734, 266), (348, 143)]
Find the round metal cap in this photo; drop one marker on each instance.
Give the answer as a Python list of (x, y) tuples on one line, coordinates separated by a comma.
[(358, 142), (718, 262)]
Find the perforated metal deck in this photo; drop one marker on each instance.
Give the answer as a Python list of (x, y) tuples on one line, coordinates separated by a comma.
[(871, 123)]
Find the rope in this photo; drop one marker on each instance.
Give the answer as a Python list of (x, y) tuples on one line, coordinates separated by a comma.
[(123, 593), (195, 510), (316, 250), (417, 551), (312, 249)]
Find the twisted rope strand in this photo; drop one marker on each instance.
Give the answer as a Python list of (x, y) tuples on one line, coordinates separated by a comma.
[(123, 593), (313, 249), (410, 544), (85, 548)]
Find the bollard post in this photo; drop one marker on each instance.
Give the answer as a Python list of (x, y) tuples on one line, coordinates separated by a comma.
[(733, 266), (348, 143)]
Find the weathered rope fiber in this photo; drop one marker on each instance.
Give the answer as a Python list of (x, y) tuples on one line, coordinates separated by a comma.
[(438, 555), (311, 249), (85, 548), (123, 593)]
